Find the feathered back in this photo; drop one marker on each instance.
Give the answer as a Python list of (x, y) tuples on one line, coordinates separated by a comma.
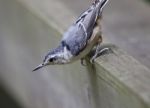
[(77, 36)]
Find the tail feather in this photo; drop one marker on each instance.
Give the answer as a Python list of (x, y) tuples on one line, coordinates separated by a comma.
[(100, 5), (103, 3)]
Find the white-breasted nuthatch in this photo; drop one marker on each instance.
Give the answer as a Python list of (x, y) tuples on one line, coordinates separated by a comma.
[(79, 39)]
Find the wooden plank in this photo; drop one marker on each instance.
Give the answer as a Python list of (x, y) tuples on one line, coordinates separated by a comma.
[(116, 80), (122, 82)]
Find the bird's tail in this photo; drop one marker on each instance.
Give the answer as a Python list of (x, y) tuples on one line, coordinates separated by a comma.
[(100, 4)]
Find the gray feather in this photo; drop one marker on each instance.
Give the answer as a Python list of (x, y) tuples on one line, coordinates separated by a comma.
[(77, 40), (80, 32)]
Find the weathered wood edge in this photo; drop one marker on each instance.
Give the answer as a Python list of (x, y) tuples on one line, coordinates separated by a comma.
[(118, 65), (123, 72)]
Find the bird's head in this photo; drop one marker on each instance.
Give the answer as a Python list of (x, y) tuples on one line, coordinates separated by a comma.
[(50, 59), (60, 55)]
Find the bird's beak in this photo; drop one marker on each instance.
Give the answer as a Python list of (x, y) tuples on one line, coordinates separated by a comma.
[(38, 67)]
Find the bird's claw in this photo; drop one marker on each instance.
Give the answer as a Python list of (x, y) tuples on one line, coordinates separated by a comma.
[(99, 53)]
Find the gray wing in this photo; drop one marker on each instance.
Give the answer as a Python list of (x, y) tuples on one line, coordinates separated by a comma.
[(75, 39), (80, 32)]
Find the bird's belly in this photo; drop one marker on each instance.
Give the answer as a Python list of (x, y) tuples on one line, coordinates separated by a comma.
[(85, 51)]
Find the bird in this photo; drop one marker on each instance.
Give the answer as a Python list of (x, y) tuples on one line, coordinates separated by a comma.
[(80, 38)]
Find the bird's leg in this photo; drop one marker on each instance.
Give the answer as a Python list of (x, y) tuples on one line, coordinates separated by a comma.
[(95, 55)]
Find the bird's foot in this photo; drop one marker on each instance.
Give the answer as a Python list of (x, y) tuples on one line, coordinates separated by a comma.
[(103, 51)]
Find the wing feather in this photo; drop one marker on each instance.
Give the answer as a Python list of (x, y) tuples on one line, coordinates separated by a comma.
[(77, 41), (79, 33)]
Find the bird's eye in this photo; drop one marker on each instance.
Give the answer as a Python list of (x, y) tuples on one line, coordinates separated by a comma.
[(52, 59)]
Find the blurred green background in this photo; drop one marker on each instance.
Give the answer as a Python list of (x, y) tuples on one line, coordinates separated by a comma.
[(148, 1)]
